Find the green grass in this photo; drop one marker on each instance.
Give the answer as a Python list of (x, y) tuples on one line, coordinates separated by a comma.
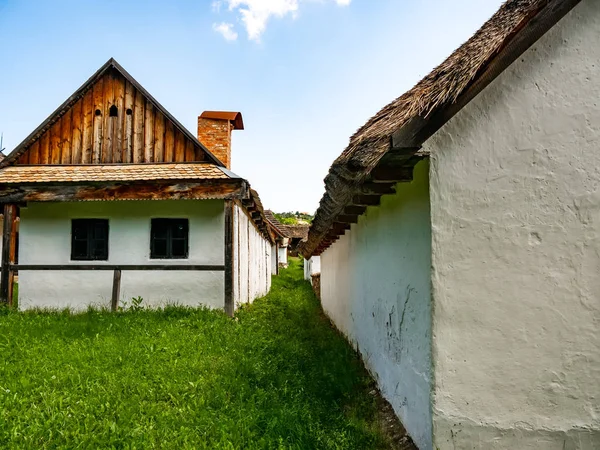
[(277, 376)]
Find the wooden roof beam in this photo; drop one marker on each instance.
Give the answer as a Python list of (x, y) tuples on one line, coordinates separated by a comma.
[(347, 218), (391, 174), (366, 200), (378, 188), (355, 210)]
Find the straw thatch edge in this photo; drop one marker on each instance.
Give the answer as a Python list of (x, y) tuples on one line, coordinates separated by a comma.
[(437, 91)]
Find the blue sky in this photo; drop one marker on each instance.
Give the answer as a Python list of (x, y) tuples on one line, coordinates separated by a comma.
[(304, 73)]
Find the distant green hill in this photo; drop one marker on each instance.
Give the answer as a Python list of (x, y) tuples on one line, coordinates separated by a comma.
[(293, 218)]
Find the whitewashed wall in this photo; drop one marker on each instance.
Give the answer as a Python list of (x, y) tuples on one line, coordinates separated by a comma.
[(45, 238), (311, 267), (274, 250), (283, 256), (375, 286), (252, 260), (515, 192)]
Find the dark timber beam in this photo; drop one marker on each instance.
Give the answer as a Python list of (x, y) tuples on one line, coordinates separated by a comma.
[(366, 200), (391, 174), (347, 218), (379, 188), (229, 258), (172, 190), (341, 226), (355, 210), (8, 253)]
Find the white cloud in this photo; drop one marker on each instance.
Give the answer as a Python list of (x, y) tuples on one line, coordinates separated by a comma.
[(256, 13), (226, 30)]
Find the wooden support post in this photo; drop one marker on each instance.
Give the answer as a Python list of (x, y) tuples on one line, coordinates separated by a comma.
[(12, 257), (8, 244), (276, 257), (229, 257), (116, 290)]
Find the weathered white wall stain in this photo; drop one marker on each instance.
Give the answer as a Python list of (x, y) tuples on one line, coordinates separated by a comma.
[(252, 260), (312, 266), (45, 238), (375, 286), (515, 192)]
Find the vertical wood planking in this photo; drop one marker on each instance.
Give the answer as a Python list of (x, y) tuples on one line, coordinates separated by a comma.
[(45, 148), (24, 158), (109, 122), (159, 137), (139, 114), (55, 142), (87, 127), (128, 123), (98, 112), (65, 137), (34, 153), (190, 151), (169, 141), (77, 124), (119, 102), (179, 147), (228, 288), (149, 133)]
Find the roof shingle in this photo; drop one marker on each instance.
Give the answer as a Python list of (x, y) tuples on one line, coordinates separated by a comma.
[(112, 172)]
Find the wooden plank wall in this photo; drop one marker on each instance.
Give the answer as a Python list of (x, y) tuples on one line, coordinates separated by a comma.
[(135, 132)]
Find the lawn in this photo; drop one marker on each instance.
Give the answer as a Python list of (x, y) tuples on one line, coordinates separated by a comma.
[(277, 376)]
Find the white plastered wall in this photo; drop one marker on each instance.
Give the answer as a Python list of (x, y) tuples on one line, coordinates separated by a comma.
[(515, 192), (252, 260), (274, 259), (312, 266), (283, 261), (375, 287), (45, 238)]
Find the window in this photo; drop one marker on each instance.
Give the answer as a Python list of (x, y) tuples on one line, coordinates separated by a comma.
[(169, 239), (89, 239)]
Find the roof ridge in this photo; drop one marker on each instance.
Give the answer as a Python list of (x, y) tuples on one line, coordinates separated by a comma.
[(69, 102)]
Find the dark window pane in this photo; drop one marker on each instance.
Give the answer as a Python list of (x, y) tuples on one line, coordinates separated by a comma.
[(179, 248), (89, 239), (169, 238), (159, 229), (180, 229), (159, 248), (79, 250), (79, 229)]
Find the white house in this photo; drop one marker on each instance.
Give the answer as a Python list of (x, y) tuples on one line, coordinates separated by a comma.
[(460, 238), (282, 239), (117, 199), (312, 266)]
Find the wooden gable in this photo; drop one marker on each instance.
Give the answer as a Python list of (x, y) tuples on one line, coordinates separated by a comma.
[(110, 119)]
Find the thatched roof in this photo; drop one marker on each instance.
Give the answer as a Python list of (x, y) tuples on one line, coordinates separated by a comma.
[(409, 120), (295, 231), (254, 208)]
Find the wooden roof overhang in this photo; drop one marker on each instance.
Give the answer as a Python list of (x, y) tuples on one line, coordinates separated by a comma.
[(254, 208), (386, 149), (48, 183)]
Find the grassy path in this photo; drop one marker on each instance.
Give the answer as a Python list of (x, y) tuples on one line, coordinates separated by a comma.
[(276, 377)]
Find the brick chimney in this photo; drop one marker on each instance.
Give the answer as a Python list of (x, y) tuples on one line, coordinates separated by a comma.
[(214, 131)]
